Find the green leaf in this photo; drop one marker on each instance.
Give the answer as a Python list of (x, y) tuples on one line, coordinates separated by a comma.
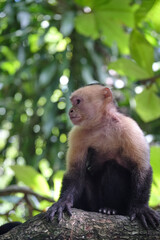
[(57, 180), (153, 15), (9, 55), (33, 40), (112, 34), (122, 12), (10, 67), (143, 10), (129, 68), (155, 153), (148, 104), (106, 29), (112, 9), (84, 3), (107, 20), (83, 28), (15, 218), (30, 177), (155, 191), (141, 51), (92, 3)]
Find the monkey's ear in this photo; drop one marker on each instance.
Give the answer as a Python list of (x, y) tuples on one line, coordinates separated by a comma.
[(107, 92)]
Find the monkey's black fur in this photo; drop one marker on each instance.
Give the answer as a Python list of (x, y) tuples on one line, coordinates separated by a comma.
[(108, 188)]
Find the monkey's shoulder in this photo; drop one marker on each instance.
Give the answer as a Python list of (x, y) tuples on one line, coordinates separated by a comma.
[(113, 132), (116, 126)]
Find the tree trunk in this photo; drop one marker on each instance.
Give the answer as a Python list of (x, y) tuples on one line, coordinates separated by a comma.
[(82, 225)]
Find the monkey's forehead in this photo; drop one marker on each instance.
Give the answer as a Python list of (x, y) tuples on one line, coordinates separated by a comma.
[(87, 91)]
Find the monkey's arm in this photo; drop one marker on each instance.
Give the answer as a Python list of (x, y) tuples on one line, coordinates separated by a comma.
[(73, 181), (140, 190), (72, 187), (138, 162)]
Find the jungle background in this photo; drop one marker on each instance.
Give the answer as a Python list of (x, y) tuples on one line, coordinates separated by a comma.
[(49, 48)]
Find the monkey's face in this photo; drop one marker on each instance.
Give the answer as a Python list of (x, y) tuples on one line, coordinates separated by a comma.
[(74, 112), (78, 112), (88, 106)]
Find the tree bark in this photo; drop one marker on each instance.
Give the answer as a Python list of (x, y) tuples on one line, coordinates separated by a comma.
[(82, 225)]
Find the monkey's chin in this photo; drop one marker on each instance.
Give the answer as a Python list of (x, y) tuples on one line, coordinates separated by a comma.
[(76, 120)]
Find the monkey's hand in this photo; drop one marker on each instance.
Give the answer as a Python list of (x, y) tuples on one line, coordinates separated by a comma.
[(146, 215), (59, 207)]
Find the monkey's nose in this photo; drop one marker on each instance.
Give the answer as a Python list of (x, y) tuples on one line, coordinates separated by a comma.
[(71, 113)]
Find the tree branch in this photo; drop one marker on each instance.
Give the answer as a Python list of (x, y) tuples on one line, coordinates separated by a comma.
[(150, 80), (82, 225), (13, 189), (25, 190)]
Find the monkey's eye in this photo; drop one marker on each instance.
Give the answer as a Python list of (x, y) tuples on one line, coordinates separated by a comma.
[(78, 101)]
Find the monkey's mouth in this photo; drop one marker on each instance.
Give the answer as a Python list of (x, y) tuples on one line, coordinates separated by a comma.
[(75, 119)]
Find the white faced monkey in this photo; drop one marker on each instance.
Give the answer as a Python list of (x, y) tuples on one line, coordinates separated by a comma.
[(108, 162)]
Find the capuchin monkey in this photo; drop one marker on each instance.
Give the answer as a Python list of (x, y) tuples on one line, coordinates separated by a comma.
[(108, 161)]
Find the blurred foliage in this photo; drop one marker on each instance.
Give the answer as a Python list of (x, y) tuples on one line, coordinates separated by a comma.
[(49, 48)]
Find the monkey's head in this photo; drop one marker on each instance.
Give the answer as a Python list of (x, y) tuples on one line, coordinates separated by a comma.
[(89, 105)]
